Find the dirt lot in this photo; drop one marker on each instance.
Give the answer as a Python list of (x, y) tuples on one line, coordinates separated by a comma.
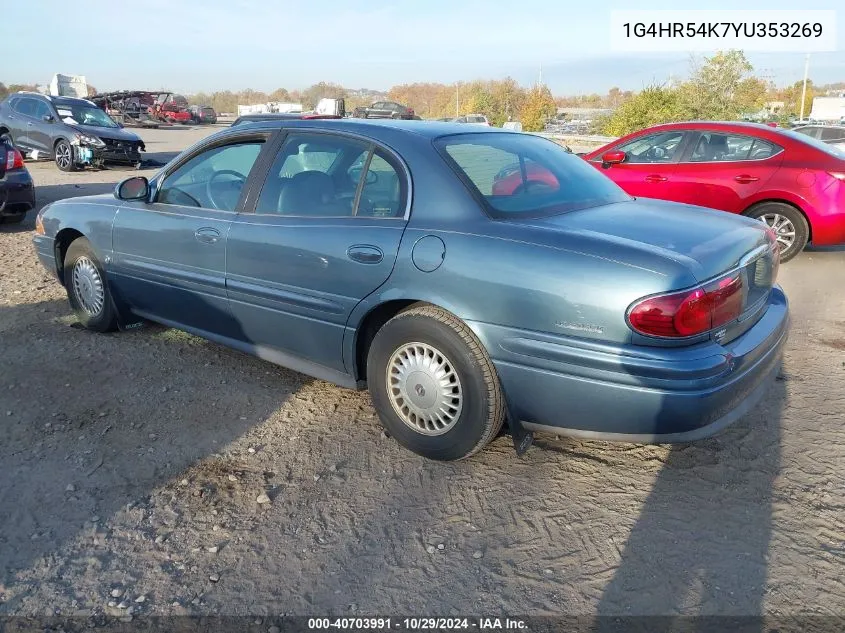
[(130, 466)]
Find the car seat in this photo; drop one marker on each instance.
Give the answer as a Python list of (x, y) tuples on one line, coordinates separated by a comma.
[(311, 193)]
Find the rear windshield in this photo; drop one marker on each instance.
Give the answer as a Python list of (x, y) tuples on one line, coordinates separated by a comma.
[(525, 175), (820, 145)]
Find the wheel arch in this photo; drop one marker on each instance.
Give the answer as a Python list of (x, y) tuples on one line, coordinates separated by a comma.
[(783, 200), (379, 314), (63, 240)]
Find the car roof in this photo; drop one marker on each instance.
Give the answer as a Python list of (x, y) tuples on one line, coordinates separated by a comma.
[(707, 125), (374, 127), (70, 101)]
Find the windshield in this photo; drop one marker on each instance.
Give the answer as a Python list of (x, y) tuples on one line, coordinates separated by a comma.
[(832, 150), (527, 176), (84, 115)]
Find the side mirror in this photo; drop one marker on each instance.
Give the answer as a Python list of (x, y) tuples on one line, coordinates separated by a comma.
[(48, 118), (612, 158), (135, 188)]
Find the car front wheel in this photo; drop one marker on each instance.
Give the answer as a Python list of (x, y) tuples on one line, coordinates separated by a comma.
[(87, 288), (63, 156), (433, 385), (787, 222)]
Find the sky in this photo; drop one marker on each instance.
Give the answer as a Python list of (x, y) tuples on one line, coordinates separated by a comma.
[(210, 45)]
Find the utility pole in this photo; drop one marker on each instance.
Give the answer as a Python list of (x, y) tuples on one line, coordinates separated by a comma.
[(457, 100), (804, 89)]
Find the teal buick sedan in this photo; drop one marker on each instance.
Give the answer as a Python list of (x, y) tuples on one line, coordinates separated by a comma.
[(392, 256)]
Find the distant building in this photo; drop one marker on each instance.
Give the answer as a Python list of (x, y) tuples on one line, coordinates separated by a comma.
[(828, 109)]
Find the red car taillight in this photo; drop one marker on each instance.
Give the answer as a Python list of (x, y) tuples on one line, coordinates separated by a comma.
[(689, 312), (14, 160)]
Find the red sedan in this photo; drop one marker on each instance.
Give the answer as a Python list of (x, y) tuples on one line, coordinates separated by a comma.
[(794, 183)]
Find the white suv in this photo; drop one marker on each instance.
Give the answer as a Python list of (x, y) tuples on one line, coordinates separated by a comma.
[(475, 119)]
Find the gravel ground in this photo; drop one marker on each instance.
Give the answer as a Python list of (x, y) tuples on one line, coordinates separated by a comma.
[(153, 471)]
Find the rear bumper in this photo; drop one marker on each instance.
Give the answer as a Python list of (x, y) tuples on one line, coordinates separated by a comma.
[(829, 230), (17, 193), (630, 393)]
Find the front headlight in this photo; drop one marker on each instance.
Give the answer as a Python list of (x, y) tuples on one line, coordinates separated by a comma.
[(91, 140)]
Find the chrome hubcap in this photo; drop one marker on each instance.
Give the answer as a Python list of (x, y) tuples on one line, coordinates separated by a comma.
[(783, 228), (63, 155), (88, 286), (424, 388)]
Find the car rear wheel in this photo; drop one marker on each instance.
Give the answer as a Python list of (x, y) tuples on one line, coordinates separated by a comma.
[(87, 288), (787, 222), (433, 385), (63, 155)]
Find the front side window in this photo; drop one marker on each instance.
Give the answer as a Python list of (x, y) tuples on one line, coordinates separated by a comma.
[(712, 148), (41, 110), (213, 179), (654, 148), (526, 176)]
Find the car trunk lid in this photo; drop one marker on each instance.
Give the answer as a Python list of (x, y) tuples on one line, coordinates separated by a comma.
[(711, 244)]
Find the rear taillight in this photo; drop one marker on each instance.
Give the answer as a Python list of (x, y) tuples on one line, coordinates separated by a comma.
[(14, 160), (689, 312)]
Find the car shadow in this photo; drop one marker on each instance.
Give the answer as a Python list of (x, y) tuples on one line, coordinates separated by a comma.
[(701, 543), (108, 420)]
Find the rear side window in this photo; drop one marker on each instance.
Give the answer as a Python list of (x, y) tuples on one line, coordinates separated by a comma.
[(25, 106), (654, 148), (833, 134), (526, 176), (713, 148)]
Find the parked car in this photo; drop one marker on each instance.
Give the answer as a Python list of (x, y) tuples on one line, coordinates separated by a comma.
[(202, 114), (73, 132), (790, 181), (384, 110), (577, 310), (17, 192), (171, 108), (474, 119), (832, 134), (282, 116)]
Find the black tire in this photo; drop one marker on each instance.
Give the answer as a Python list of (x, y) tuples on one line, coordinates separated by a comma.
[(482, 411), (793, 215), (105, 318), (63, 156)]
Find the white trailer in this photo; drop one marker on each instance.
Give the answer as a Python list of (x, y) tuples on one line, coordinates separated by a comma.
[(828, 109), (69, 86)]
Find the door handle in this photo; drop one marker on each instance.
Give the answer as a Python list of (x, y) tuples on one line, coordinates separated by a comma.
[(655, 178), (745, 178), (207, 235), (365, 254)]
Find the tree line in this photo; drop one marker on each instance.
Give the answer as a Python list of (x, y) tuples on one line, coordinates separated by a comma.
[(720, 87)]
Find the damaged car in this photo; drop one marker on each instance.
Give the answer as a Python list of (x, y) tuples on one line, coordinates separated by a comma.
[(72, 132)]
